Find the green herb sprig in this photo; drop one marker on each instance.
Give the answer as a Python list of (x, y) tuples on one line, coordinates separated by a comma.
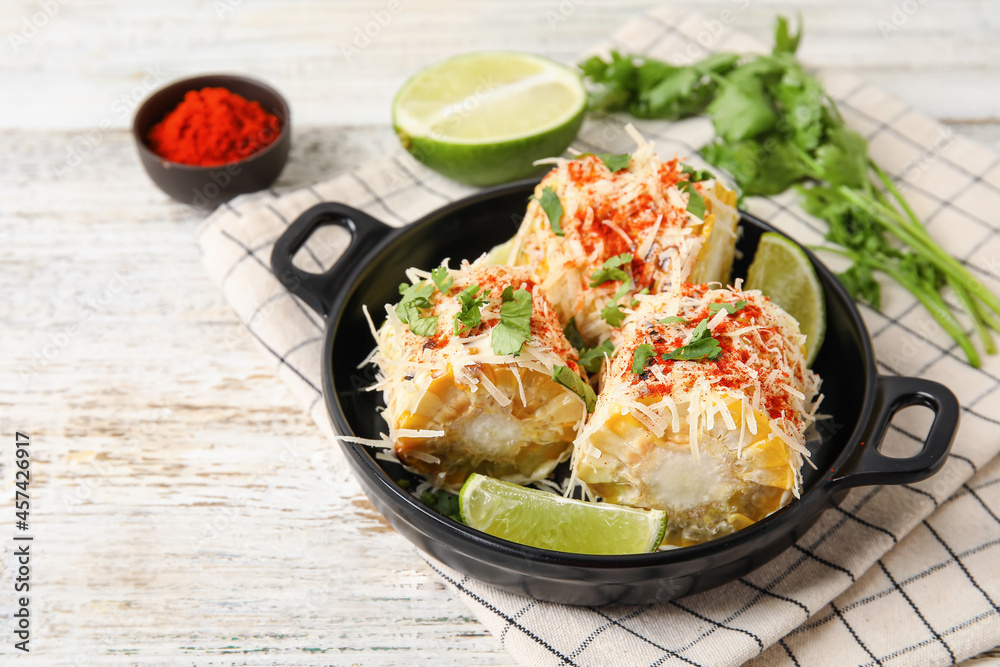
[(611, 270), (514, 328), (567, 378), (730, 308), (641, 355), (415, 299), (701, 346), (590, 357), (470, 316), (776, 128), (549, 201)]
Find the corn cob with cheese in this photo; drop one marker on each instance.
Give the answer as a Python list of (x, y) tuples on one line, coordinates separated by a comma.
[(670, 223), (463, 393), (715, 433)]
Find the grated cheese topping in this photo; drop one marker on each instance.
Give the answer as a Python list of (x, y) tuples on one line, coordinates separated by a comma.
[(638, 210)]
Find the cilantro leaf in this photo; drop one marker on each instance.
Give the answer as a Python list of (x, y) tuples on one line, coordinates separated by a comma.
[(424, 326), (706, 348), (700, 331), (802, 104), (671, 320), (612, 313), (696, 175), (514, 328), (861, 285), (665, 91), (713, 308), (843, 159), (615, 162), (415, 298), (617, 81), (609, 270), (784, 41), (549, 201), (442, 278), (700, 346), (575, 384), (742, 109), (442, 501), (640, 356), (470, 315), (591, 358), (696, 203), (573, 335), (759, 168)]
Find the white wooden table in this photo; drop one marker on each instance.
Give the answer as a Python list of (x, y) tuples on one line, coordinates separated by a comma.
[(182, 506)]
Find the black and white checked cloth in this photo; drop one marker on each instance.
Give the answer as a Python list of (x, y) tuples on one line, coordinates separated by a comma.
[(902, 575)]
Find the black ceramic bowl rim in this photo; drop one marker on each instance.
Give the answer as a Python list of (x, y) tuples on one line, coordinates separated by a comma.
[(197, 83), (328, 294)]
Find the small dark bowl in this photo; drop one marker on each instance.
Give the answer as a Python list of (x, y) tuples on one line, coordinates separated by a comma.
[(860, 401), (207, 187)]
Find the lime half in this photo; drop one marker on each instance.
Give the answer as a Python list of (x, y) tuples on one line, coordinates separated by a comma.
[(484, 118), (783, 272), (549, 521)]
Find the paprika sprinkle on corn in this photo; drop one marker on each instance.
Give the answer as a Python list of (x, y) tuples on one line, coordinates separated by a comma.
[(212, 127)]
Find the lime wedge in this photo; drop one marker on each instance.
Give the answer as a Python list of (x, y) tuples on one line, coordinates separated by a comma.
[(549, 521), (499, 254), (483, 118), (783, 272)]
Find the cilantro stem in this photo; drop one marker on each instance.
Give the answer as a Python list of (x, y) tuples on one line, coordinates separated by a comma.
[(930, 300), (970, 307), (905, 205), (921, 242)]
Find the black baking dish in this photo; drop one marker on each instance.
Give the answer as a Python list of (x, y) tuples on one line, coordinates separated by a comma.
[(860, 401)]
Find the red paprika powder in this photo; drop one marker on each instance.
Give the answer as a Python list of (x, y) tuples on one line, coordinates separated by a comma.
[(212, 127)]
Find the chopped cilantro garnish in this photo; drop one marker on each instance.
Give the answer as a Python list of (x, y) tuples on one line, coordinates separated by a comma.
[(729, 308), (696, 203), (416, 298), (671, 320), (469, 316), (575, 384), (549, 201), (640, 356), (612, 313), (514, 328), (442, 278), (696, 175), (442, 501), (573, 335), (424, 326), (701, 346), (610, 270), (707, 348), (591, 358), (615, 161)]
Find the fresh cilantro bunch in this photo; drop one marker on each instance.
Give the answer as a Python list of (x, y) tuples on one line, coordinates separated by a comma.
[(776, 128)]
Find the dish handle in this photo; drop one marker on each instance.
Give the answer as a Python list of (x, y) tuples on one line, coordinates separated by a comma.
[(868, 466), (317, 289)]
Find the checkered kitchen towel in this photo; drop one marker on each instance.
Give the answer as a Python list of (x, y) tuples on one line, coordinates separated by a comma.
[(902, 574)]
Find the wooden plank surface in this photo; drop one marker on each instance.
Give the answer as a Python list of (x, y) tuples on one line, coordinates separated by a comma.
[(185, 510)]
